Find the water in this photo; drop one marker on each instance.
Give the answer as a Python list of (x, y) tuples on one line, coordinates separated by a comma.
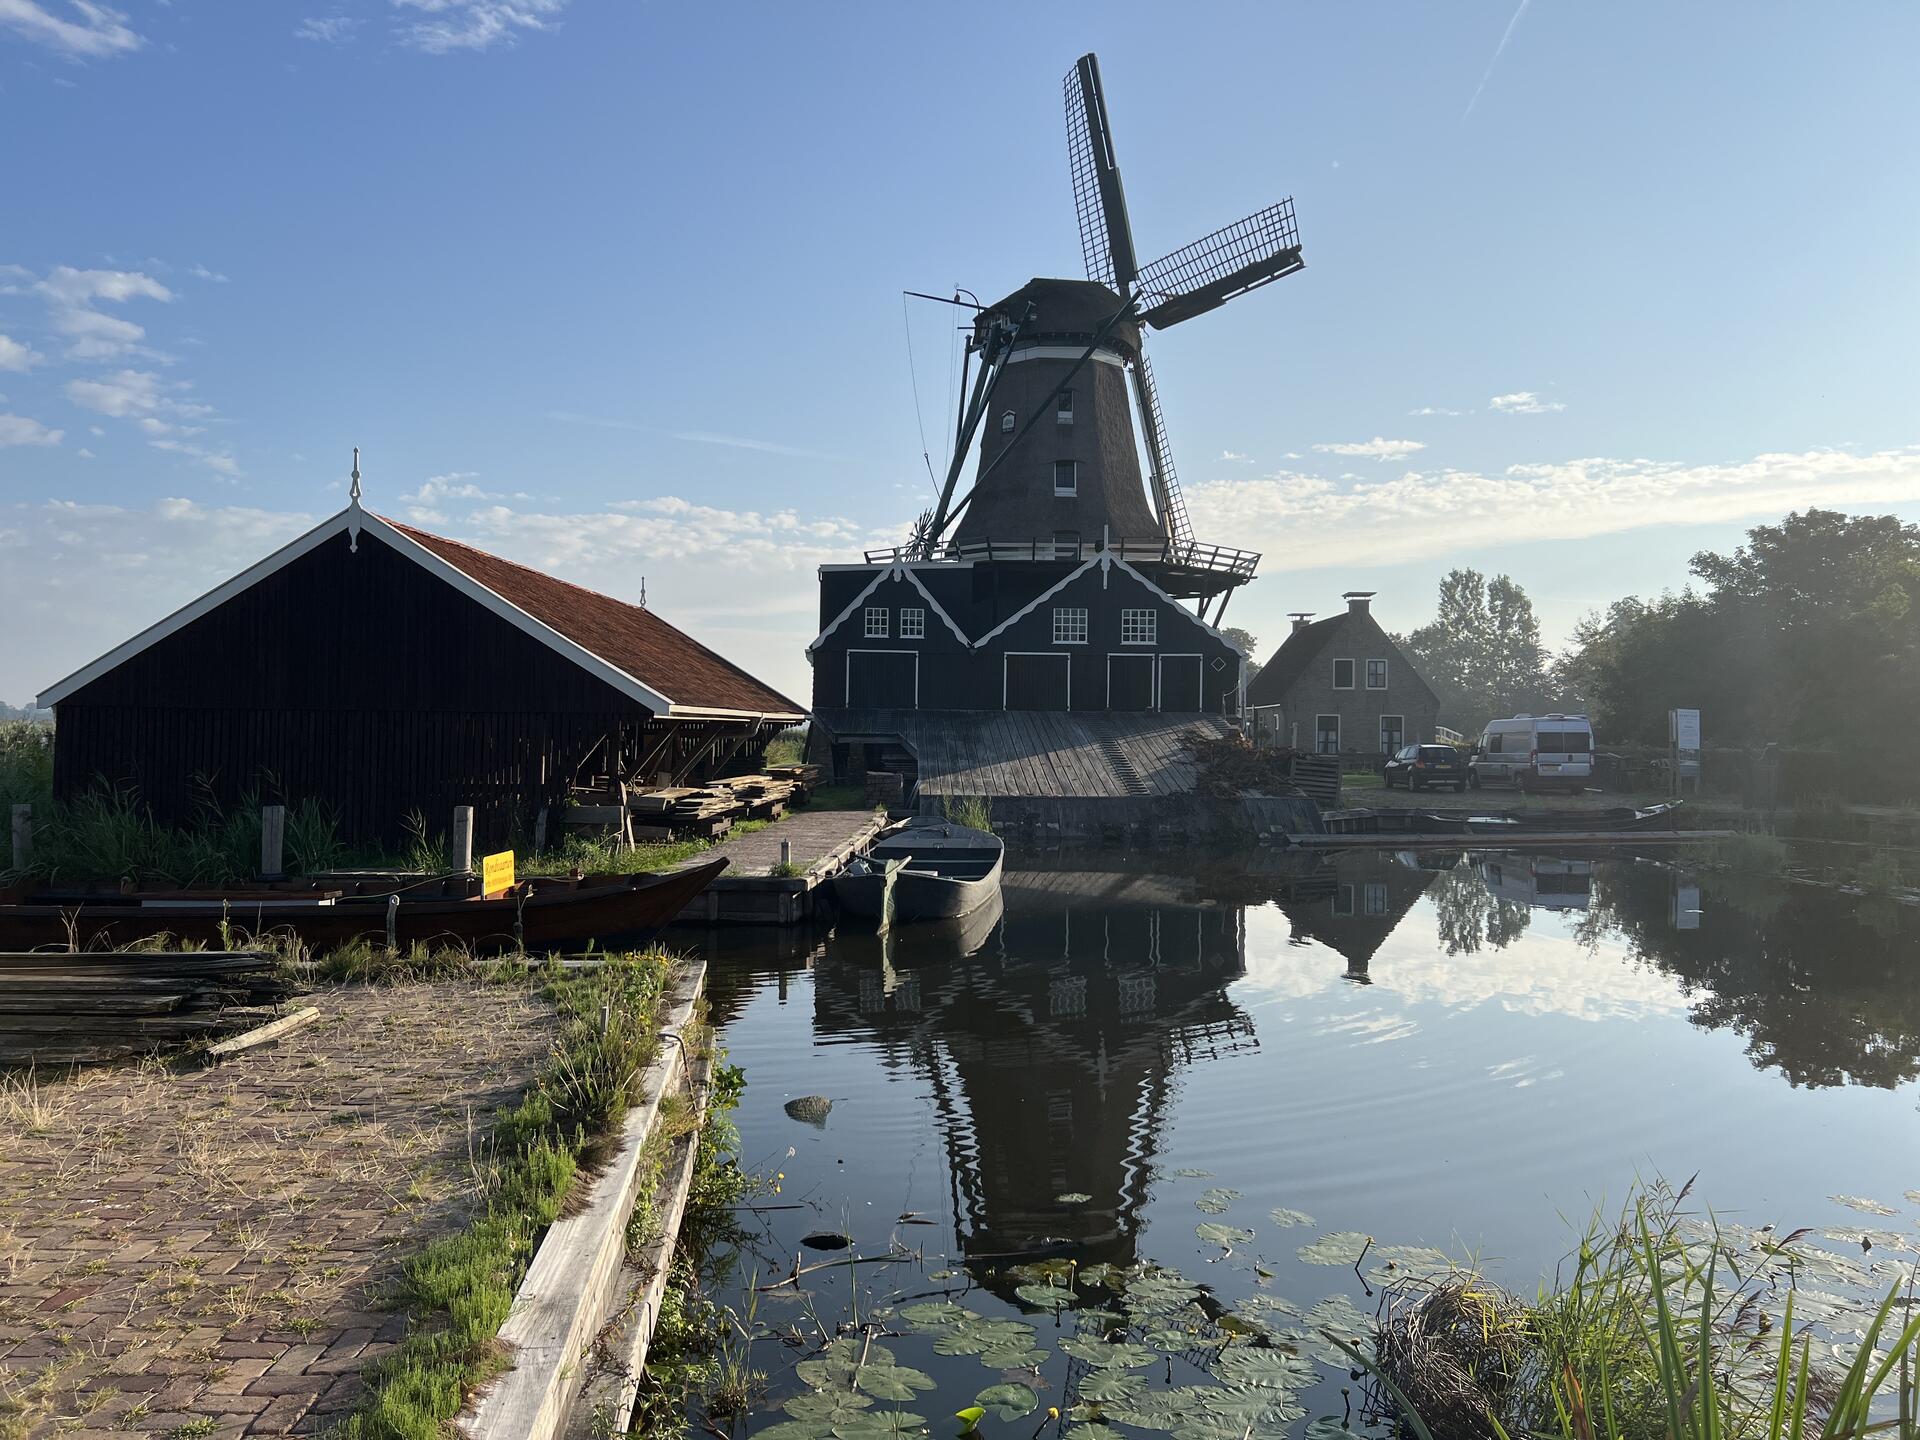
[(1468, 1053)]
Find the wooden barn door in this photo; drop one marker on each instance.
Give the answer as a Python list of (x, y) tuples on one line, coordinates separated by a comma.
[(1038, 682), (883, 680), (1180, 682), (1130, 682)]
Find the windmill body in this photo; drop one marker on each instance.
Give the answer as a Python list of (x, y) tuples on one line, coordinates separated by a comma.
[(1064, 576)]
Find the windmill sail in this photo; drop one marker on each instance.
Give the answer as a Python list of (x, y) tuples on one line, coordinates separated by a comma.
[(1106, 239), (1214, 269), (1166, 485)]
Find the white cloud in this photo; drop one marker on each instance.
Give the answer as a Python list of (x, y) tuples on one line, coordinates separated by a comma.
[(94, 336), (218, 461), (327, 29), (1235, 457), (203, 273), (128, 393), (1433, 410), (84, 453), (473, 24), (82, 29), (17, 354), (1523, 402), (79, 287), (1377, 448), (19, 430), (1298, 519)]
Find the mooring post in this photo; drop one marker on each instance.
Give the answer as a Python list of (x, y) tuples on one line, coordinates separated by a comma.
[(273, 839), (786, 856), (22, 837), (540, 831), (463, 838)]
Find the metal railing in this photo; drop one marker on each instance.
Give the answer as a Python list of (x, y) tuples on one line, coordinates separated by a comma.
[(1187, 554)]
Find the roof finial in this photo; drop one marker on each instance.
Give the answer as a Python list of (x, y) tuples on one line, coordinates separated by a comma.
[(353, 494), (353, 507)]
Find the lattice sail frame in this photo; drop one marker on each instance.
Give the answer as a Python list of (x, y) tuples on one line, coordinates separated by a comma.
[(1215, 268), (1094, 249)]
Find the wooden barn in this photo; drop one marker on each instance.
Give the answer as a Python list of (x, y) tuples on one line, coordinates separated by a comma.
[(386, 672)]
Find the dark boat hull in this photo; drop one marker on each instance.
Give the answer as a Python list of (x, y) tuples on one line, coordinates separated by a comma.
[(622, 912), (917, 895)]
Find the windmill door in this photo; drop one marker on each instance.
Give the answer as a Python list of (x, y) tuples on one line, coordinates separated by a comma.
[(883, 680), (1038, 681), (1180, 682), (1130, 682)]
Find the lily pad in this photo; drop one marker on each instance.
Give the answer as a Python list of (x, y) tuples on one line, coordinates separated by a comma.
[(1106, 1387), (1072, 1197), (1187, 1172), (1858, 1202), (809, 1109), (1342, 1247), (1284, 1217), (1225, 1236), (1215, 1200), (1046, 1297), (1263, 1366), (1400, 1262), (1330, 1427), (935, 1313), (1102, 1273), (828, 1407), (1104, 1354), (1008, 1402), (880, 1425), (1157, 1291)]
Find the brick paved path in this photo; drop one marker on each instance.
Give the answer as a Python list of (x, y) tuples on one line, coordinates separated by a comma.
[(180, 1251)]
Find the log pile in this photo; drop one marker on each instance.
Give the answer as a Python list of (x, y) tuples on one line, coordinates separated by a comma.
[(706, 811), (59, 1008)]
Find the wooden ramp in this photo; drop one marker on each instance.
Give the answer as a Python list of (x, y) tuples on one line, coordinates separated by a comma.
[(1093, 755)]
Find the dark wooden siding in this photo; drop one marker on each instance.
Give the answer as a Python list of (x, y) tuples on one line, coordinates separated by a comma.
[(1130, 682), (882, 679), (358, 680), (1180, 677), (1037, 682)]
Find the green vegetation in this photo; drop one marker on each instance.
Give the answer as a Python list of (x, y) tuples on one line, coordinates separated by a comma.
[(1663, 1329), (789, 747), (458, 1290), (1750, 854), (973, 811), (839, 797), (1482, 652)]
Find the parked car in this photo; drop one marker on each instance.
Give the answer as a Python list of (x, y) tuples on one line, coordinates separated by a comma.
[(1535, 752), (1419, 767)]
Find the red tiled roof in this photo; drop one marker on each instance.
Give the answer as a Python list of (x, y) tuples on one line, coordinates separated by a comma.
[(629, 637)]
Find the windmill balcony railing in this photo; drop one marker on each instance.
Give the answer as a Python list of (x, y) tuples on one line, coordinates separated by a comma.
[(1186, 554)]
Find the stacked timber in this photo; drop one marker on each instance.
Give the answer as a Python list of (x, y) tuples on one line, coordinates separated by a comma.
[(807, 775), (61, 1007), (767, 797)]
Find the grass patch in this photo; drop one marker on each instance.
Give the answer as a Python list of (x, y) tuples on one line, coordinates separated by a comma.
[(839, 797), (459, 1289), (1750, 853), (973, 811), (789, 747)]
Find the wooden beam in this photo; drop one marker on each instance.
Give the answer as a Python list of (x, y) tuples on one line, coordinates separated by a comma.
[(264, 1034)]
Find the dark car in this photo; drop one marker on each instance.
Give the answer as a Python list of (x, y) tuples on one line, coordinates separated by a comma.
[(1419, 766)]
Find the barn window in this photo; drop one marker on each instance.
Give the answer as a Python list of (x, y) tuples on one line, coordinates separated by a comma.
[(1063, 414), (1326, 734), (876, 622), (1070, 625), (1376, 674), (1343, 674), (913, 623), (1066, 477), (1139, 627), (1006, 422)]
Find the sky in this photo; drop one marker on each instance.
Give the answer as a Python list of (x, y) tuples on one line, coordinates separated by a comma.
[(614, 288)]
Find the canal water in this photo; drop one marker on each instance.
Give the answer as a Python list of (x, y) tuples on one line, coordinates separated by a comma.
[(1259, 1092)]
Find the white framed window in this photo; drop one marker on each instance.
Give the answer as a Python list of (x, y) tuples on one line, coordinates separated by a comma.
[(913, 623), (1343, 674), (1139, 627), (1373, 898), (1066, 477), (1376, 674), (1070, 625), (877, 622), (1063, 410), (1393, 732), (1006, 422), (1326, 734)]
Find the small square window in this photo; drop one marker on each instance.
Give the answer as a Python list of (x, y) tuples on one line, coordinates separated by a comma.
[(877, 622), (1063, 412), (1070, 625), (913, 623), (1006, 422), (1343, 674), (1376, 674), (1139, 627), (1066, 477)]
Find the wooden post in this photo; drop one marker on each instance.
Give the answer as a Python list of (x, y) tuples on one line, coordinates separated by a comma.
[(786, 856), (463, 838), (273, 838), (540, 831), (22, 836)]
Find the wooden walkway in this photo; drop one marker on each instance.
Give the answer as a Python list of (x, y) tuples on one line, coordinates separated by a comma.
[(1041, 754), (748, 893)]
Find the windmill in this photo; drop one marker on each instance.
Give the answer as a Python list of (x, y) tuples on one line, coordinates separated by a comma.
[(1060, 463)]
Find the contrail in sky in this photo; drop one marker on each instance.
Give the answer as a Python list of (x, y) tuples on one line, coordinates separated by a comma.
[(1498, 50)]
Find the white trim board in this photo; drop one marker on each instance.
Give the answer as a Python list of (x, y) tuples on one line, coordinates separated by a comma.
[(895, 572)]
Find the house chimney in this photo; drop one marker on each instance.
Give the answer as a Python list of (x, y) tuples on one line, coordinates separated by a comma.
[(1359, 602), (1301, 618)]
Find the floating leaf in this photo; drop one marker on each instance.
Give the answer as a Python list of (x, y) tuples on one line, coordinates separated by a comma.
[(1188, 1173), (1869, 1239), (1106, 1387), (1110, 1276), (1214, 1201), (1072, 1197), (1103, 1354), (1156, 1291), (971, 1416), (1912, 1196), (809, 1109), (1014, 1358), (1046, 1297), (1342, 1247), (1340, 1315), (936, 1313), (880, 1425), (1225, 1236), (812, 1429), (1399, 1262), (1857, 1202), (892, 1382), (829, 1407), (1330, 1427), (1284, 1217), (1263, 1366), (1008, 1402), (1266, 1303)]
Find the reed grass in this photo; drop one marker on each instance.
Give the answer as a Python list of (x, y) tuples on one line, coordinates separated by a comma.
[(973, 811)]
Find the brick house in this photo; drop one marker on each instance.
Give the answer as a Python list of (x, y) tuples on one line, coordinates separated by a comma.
[(1341, 686)]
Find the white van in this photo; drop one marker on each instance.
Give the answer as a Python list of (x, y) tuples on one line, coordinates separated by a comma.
[(1535, 752)]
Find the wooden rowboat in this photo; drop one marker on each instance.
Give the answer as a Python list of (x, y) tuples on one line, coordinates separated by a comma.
[(607, 911), (950, 871)]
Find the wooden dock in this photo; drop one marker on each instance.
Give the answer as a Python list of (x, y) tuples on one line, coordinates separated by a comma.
[(749, 893)]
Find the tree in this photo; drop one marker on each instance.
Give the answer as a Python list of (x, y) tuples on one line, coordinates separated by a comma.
[(1482, 652), (1246, 641)]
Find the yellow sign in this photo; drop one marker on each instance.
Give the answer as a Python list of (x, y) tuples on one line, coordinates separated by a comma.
[(496, 874)]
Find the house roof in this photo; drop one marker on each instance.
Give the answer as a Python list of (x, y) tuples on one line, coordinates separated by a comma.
[(1290, 661), (627, 646)]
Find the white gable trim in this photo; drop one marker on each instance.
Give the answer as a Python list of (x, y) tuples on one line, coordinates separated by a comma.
[(1044, 596), (357, 521), (896, 571), (1185, 614)]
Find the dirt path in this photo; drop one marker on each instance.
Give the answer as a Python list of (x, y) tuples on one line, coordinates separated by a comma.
[(202, 1252)]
